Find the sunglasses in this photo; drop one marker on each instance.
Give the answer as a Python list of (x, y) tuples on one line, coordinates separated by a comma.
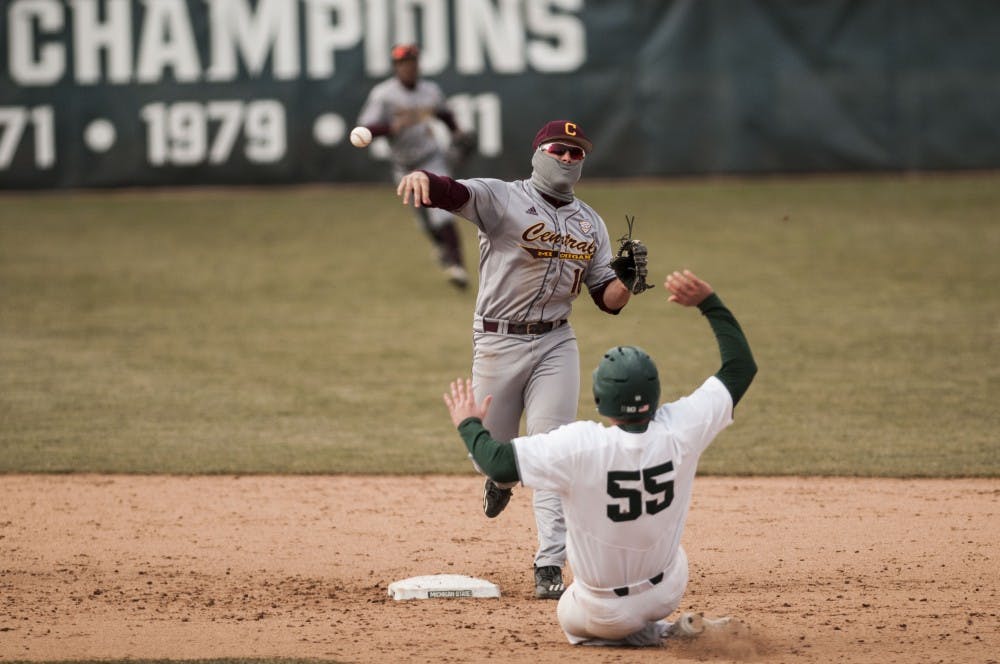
[(576, 153)]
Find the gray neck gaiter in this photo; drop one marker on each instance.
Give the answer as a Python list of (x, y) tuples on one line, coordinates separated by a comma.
[(554, 177)]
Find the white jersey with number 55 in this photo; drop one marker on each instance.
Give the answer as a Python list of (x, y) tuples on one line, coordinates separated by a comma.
[(626, 495)]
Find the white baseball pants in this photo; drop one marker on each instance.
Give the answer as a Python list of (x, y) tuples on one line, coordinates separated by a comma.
[(591, 616)]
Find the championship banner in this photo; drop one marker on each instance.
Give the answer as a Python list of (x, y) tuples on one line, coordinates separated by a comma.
[(107, 93)]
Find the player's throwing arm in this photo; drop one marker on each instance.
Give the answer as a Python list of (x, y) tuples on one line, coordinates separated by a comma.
[(417, 185)]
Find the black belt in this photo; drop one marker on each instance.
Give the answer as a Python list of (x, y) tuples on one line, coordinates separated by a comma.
[(523, 328), (623, 591)]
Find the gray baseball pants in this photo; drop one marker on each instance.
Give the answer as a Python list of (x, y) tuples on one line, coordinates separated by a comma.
[(539, 376)]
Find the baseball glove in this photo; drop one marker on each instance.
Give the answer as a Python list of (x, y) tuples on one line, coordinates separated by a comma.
[(630, 263), (463, 146)]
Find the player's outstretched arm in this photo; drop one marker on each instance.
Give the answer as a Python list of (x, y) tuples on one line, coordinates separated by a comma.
[(417, 185), (738, 366), (686, 288), (493, 457), (431, 190), (461, 402)]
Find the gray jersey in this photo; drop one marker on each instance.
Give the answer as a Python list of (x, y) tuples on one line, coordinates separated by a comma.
[(413, 111), (534, 258)]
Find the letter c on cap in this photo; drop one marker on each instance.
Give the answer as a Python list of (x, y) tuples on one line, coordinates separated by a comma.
[(570, 128)]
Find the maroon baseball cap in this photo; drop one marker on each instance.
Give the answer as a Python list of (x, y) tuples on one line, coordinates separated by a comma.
[(405, 52), (564, 131)]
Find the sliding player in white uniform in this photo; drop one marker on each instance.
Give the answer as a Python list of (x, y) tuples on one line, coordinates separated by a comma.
[(626, 489)]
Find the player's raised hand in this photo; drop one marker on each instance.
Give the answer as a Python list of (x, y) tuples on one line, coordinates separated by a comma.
[(462, 404), (686, 288), (419, 185)]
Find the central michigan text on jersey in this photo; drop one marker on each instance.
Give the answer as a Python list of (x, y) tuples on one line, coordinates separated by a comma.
[(539, 233)]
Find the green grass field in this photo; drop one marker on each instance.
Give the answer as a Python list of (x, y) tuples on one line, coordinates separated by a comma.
[(309, 331)]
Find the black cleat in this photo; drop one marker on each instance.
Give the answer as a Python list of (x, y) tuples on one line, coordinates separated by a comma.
[(495, 499), (548, 582)]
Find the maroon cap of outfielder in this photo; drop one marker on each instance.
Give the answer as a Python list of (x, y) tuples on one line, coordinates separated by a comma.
[(402, 52), (563, 131)]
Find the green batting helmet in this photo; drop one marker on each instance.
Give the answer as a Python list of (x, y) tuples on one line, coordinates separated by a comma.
[(626, 384)]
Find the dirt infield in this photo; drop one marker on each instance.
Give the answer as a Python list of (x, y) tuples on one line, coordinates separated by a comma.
[(826, 570)]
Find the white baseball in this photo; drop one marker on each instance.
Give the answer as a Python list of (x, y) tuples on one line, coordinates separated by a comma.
[(361, 137)]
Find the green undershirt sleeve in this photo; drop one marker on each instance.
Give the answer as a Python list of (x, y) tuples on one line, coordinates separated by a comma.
[(738, 366), (494, 458)]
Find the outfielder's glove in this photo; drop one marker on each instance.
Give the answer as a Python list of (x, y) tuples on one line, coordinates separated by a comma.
[(630, 263), (463, 146)]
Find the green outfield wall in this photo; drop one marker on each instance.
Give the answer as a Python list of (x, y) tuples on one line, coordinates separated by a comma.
[(106, 93)]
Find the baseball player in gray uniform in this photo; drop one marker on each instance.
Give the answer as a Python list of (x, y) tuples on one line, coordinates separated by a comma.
[(403, 108), (626, 488), (539, 247)]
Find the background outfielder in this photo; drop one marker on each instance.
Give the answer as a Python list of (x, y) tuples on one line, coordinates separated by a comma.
[(404, 108), (540, 246), (626, 488)]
